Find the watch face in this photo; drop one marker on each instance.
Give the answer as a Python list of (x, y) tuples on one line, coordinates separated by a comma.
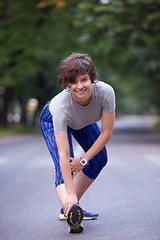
[(83, 161)]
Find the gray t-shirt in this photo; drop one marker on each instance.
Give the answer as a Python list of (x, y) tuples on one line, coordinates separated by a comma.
[(67, 112)]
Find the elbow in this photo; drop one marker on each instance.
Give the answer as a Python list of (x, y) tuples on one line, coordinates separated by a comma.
[(110, 134), (107, 135)]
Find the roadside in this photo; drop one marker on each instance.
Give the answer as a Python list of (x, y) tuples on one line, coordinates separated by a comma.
[(17, 129), (132, 123)]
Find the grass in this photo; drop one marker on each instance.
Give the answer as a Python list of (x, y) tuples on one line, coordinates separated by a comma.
[(17, 129), (158, 123)]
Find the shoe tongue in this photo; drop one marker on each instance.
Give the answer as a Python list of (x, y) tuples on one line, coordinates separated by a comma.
[(62, 211)]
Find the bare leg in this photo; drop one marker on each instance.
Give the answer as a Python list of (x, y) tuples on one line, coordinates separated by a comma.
[(61, 192), (82, 183)]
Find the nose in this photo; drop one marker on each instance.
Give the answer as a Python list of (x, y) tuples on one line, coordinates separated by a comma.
[(79, 84)]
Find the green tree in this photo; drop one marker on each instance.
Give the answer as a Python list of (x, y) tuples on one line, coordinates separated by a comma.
[(124, 37), (32, 42), (121, 36)]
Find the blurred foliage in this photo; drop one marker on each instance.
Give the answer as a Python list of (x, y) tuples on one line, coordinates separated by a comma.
[(17, 129), (122, 37)]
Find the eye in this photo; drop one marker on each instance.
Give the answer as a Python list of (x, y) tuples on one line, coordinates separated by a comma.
[(84, 79), (73, 82)]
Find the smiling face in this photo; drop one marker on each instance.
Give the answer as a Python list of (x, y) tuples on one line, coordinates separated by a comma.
[(81, 89), (75, 65)]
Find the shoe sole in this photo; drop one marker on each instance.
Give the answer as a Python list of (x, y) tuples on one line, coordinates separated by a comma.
[(74, 219), (62, 217), (76, 228)]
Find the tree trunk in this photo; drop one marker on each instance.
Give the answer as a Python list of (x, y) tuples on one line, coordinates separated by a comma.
[(7, 98)]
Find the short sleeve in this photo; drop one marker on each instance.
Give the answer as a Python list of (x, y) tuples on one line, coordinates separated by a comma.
[(109, 104), (60, 120)]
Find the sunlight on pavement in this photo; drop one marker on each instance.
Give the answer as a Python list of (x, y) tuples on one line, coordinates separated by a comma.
[(40, 163), (135, 122), (153, 158), (3, 160), (115, 161)]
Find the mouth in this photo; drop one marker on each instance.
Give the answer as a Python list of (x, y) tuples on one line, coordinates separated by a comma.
[(80, 92)]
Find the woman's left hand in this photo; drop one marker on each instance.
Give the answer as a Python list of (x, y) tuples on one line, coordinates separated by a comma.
[(75, 165)]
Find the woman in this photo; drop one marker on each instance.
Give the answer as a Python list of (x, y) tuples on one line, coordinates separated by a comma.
[(75, 111)]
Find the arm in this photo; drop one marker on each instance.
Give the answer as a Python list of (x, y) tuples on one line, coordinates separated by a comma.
[(107, 126), (63, 150)]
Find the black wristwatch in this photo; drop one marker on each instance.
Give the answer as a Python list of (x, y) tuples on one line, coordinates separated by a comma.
[(83, 161)]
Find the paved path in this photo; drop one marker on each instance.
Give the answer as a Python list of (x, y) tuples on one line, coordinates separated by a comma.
[(126, 194)]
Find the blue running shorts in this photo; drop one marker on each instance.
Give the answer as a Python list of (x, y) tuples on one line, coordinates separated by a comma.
[(85, 137)]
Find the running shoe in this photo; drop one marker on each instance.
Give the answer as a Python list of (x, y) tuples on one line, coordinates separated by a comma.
[(74, 219), (87, 215)]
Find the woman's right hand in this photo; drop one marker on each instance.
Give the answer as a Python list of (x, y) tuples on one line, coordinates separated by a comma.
[(71, 199)]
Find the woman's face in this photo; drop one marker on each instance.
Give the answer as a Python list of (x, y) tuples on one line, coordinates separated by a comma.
[(81, 89)]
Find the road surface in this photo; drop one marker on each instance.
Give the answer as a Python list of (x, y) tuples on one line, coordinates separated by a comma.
[(126, 194)]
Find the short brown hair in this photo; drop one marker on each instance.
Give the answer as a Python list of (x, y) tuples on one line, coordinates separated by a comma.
[(74, 65)]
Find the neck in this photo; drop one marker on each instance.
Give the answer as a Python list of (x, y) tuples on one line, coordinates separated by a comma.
[(82, 102)]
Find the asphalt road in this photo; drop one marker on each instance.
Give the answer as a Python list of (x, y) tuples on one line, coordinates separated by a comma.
[(126, 194)]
